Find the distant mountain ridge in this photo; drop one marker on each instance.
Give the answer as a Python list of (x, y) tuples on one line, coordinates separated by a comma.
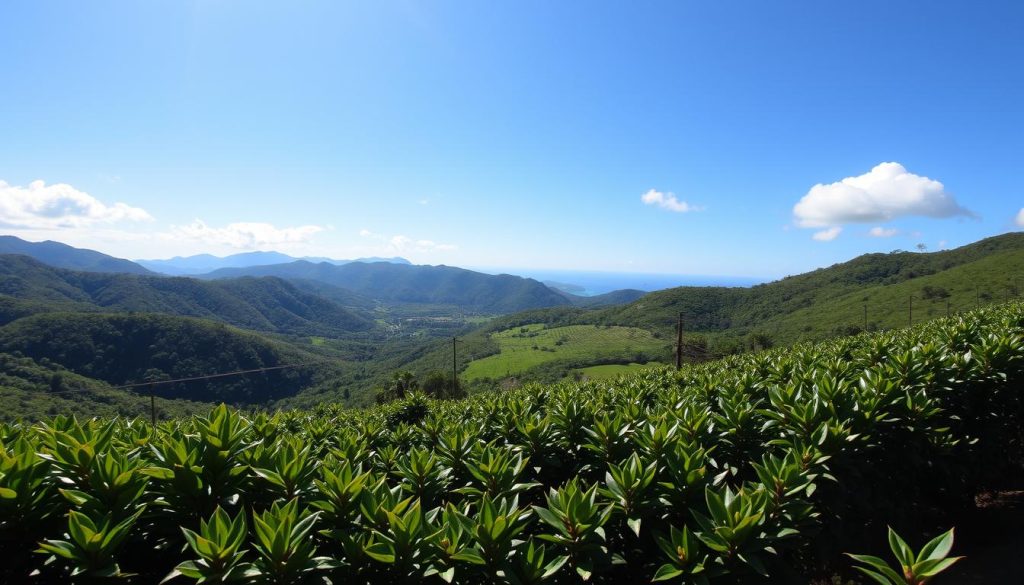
[(203, 263), (260, 304), (71, 258), (365, 281), (446, 285)]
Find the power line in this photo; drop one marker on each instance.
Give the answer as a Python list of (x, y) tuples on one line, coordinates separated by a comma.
[(197, 378), (220, 375)]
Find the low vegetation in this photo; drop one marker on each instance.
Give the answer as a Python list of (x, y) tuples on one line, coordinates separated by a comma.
[(758, 468), (528, 346)]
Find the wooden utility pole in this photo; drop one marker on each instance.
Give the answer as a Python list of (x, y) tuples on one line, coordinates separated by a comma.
[(679, 342), (152, 405), (865, 317), (455, 369)]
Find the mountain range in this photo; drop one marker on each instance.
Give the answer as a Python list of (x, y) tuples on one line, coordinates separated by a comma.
[(65, 256), (64, 326), (352, 283), (203, 263), (260, 304)]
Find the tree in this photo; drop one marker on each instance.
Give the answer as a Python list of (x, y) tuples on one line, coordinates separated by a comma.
[(436, 384), (402, 383), (922, 248)]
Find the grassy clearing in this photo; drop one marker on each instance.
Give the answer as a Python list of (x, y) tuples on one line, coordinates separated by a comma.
[(522, 348), (612, 371)]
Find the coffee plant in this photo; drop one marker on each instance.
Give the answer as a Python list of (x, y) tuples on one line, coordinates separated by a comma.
[(746, 470)]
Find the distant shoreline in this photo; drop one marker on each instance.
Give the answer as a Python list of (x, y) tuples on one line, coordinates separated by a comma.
[(590, 283)]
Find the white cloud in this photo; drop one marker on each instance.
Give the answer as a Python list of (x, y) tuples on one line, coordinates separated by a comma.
[(884, 193), (1019, 220), (57, 206), (405, 244), (667, 201), (245, 235), (881, 232), (827, 235)]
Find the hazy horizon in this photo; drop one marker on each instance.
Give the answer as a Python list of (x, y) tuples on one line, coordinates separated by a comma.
[(666, 138)]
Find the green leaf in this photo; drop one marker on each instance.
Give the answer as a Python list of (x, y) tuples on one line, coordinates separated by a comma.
[(161, 473), (878, 564), (904, 554), (666, 572), (469, 555), (933, 567), (938, 547), (879, 578), (380, 551), (549, 517)]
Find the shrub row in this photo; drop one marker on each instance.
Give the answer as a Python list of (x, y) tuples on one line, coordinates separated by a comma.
[(753, 468)]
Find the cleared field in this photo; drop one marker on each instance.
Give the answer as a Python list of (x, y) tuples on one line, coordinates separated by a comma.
[(611, 371), (526, 347)]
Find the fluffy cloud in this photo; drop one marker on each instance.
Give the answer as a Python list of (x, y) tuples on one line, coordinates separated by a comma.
[(827, 235), (404, 244), (407, 244), (1019, 220), (667, 201), (881, 232), (42, 206), (247, 236), (884, 193)]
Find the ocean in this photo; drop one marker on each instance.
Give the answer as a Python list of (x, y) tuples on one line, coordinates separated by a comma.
[(596, 283)]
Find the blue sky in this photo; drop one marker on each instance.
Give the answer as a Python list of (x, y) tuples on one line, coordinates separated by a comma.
[(517, 134)]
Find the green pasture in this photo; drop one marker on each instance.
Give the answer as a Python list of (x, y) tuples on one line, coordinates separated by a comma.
[(522, 348), (612, 371)]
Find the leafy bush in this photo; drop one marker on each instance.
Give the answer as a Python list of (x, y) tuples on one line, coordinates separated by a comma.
[(729, 471)]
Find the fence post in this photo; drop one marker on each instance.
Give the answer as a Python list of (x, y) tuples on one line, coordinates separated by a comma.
[(455, 369), (152, 405), (679, 342)]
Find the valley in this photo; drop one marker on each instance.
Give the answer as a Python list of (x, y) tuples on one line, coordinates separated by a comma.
[(358, 324)]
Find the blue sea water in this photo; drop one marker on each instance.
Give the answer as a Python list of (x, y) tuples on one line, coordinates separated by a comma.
[(596, 283)]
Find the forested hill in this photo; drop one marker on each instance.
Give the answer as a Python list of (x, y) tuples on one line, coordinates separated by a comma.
[(872, 292), (203, 263), (442, 285), (131, 348), (819, 301), (262, 304), (64, 256), (608, 299)]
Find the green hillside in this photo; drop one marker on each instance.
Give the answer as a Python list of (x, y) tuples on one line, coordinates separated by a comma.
[(34, 390), (435, 285), (757, 469), (261, 304), (831, 301), (813, 306), (65, 256), (125, 349)]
